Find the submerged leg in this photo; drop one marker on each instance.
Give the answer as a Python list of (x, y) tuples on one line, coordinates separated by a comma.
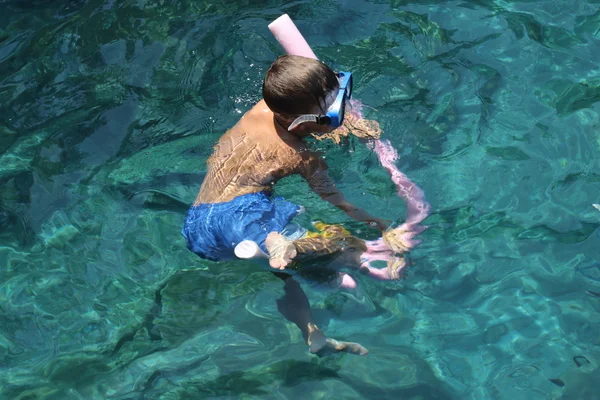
[(335, 239), (330, 240), (294, 306), (337, 280)]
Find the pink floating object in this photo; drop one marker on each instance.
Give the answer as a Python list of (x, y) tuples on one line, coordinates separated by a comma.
[(290, 38), (292, 41), (418, 208)]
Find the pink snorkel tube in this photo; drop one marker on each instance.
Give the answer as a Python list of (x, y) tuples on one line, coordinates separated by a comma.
[(292, 41)]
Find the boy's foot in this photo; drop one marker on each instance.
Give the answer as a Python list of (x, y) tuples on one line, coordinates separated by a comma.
[(323, 346), (334, 346), (281, 250)]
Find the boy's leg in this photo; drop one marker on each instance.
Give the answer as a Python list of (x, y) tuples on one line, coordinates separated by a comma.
[(336, 239), (331, 239), (295, 308)]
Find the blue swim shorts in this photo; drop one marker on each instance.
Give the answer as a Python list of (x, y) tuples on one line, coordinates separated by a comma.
[(213, 230)]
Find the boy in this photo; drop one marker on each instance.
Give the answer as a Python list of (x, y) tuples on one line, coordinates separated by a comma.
[(301, 96)]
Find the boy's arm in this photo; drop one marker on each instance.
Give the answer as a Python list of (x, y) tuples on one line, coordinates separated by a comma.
[(317, 175)]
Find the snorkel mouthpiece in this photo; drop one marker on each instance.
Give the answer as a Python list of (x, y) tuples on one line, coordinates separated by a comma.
[(319, 119)]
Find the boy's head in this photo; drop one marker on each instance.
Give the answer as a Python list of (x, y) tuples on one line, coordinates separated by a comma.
[(297, 85)]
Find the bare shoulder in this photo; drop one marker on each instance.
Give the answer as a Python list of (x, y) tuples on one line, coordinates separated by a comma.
[(243, 129), (229, 143), (256, 143)]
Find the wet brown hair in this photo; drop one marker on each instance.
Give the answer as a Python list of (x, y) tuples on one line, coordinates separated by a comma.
[(294, 85)]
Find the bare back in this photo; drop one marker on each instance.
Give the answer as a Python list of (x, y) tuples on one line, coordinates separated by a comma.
[(251, 157)]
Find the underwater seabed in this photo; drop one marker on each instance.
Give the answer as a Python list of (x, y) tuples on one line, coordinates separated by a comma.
[(494, 331)]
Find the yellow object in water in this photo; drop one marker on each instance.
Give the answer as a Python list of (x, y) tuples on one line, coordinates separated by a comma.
[(328, 231)]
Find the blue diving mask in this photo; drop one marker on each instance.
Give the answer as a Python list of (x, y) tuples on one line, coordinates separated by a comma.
[(335, 103)]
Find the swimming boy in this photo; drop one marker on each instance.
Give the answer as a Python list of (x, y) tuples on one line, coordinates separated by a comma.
[(301, 96)]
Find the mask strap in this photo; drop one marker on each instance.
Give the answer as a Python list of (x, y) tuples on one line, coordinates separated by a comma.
[(302, 119)]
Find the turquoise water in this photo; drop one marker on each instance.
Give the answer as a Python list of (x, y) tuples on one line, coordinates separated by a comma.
[(108, 110)]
